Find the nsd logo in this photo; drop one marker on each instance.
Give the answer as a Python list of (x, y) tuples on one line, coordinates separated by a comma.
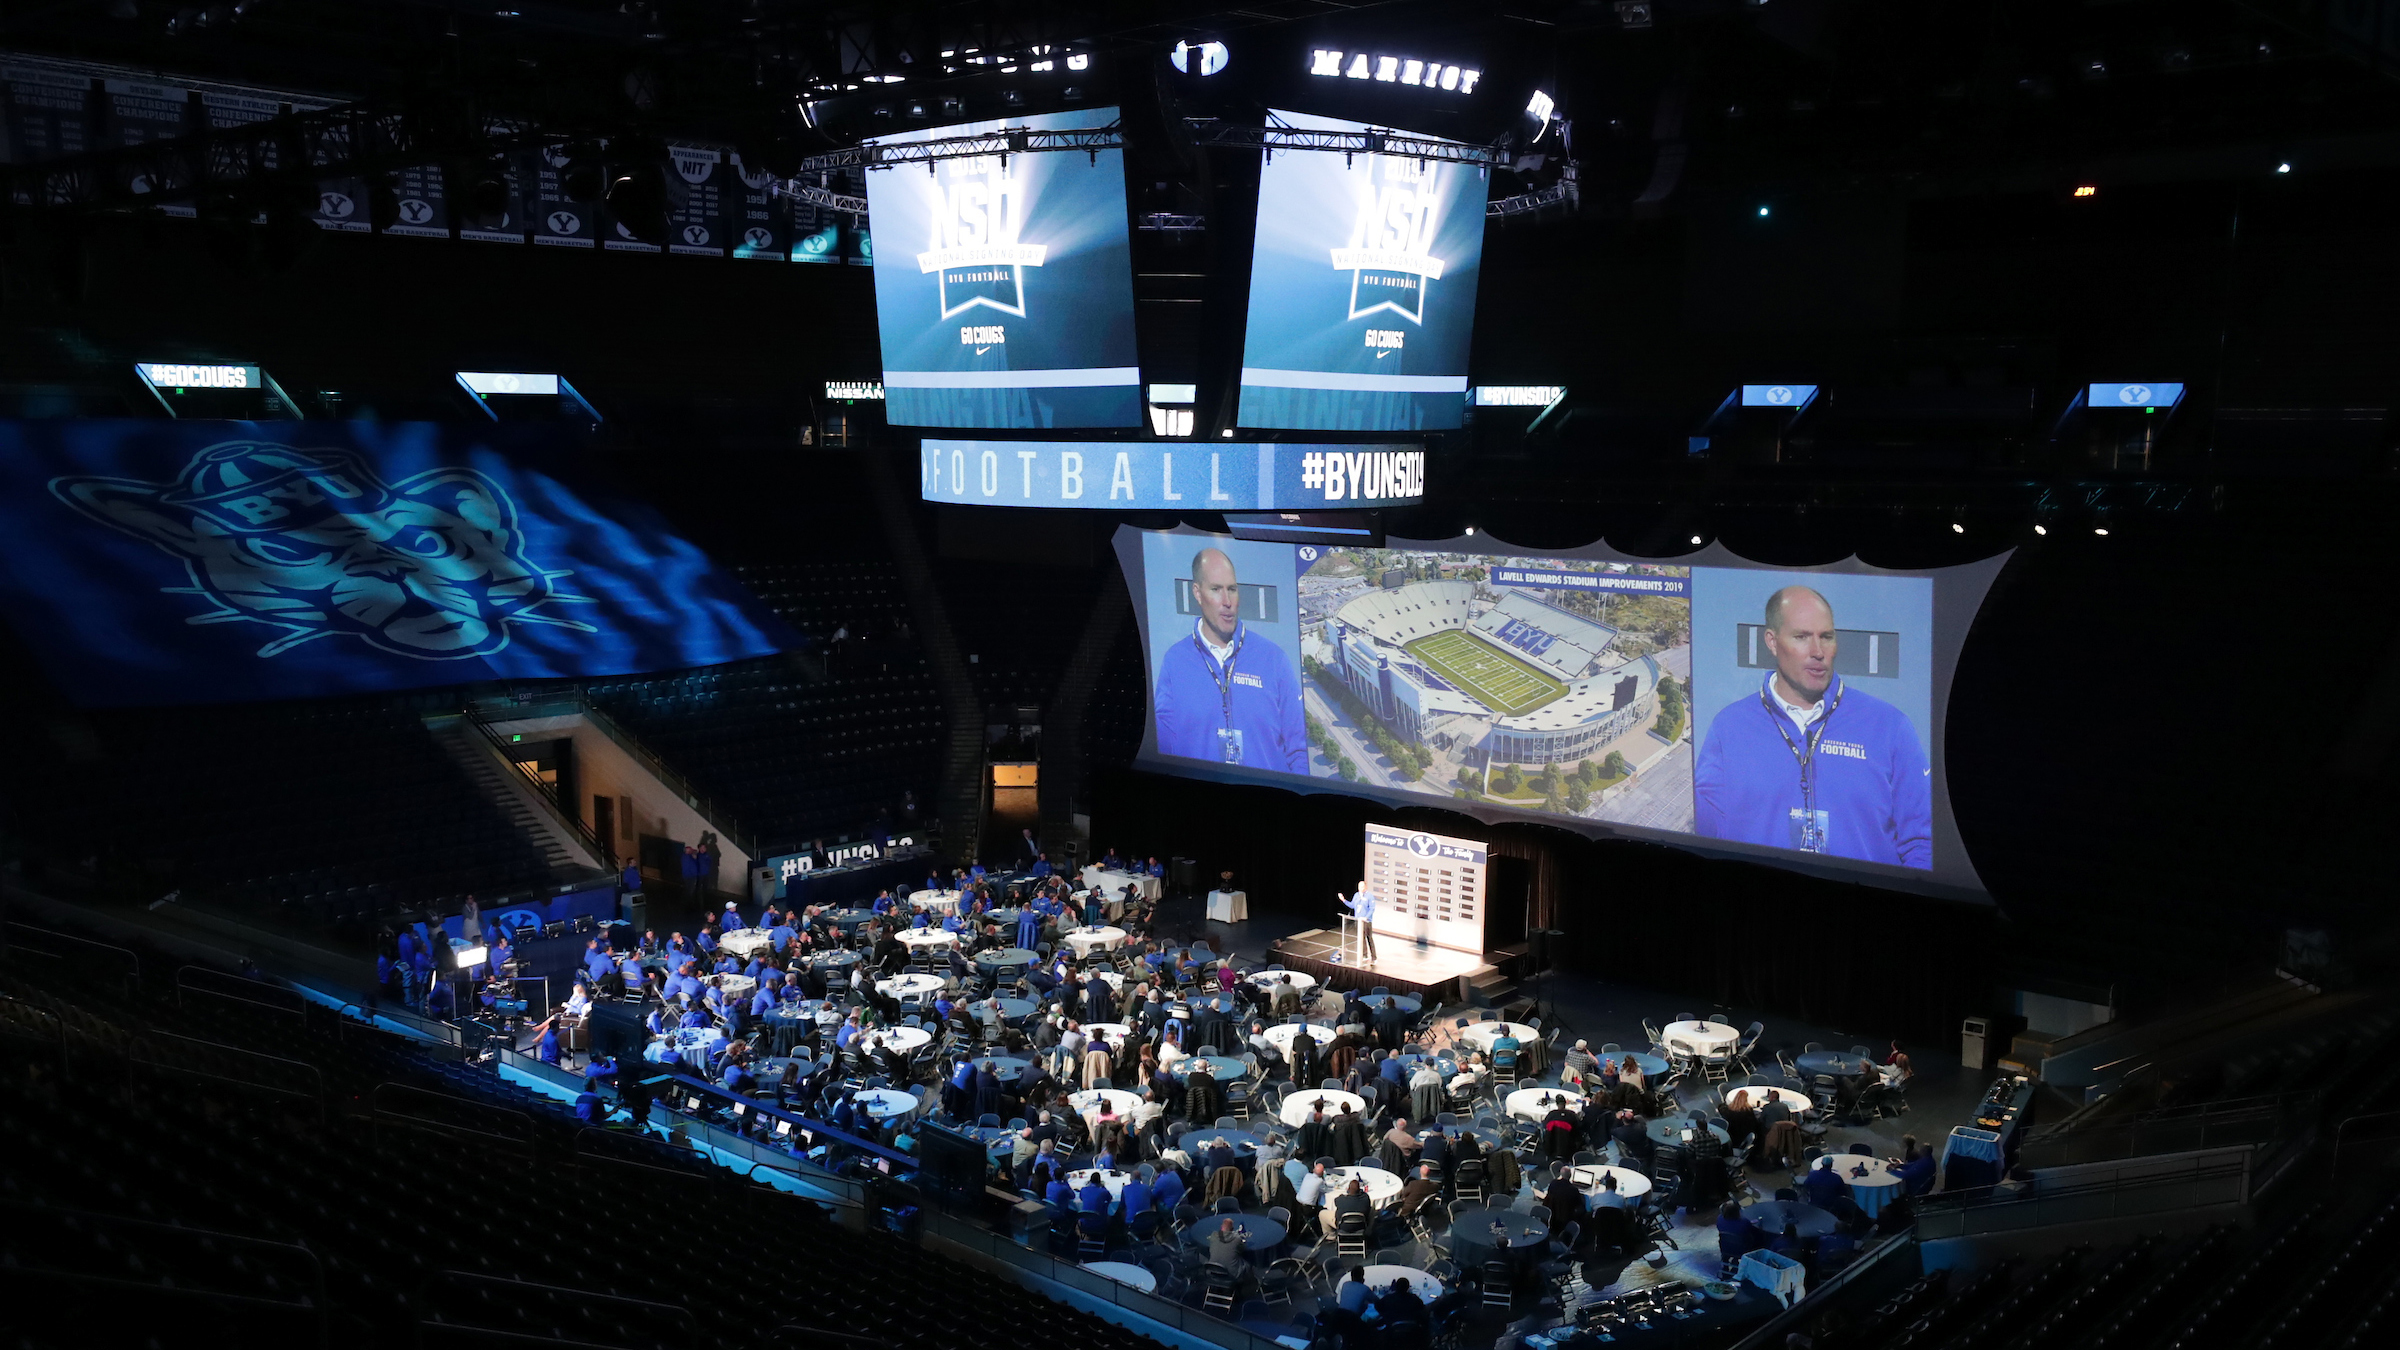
[(974, 217), (1389, 258), (1364, 476)]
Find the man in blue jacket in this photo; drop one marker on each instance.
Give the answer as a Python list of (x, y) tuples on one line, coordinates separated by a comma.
[(1226, 693), (1808, 762)]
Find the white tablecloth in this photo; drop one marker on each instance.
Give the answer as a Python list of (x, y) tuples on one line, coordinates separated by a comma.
[(1482, 1034), (1384, 1277), (1268, 979), (1629, 1182), (1872, 1191), (1296, 1107), (906, 1040), (1284, 1034), (1700, 1038), (734, 986), (1760, 1096), (1111, 1034), (885, 1103), (927, 938), (940, 902), (1534, 1103), (1230, 907), (691, 1045), (1085, 941), (1380, 1186), (1113, 1179), (1780, 1276), (1115, 882), (901, 986), (1125, 1274), (1112, 979), (747, 941), (1087, 1102)]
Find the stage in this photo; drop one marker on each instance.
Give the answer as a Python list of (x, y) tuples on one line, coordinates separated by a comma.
[(1435, 973)]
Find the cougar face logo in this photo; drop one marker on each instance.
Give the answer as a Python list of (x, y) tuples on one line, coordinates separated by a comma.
[(316, 544)]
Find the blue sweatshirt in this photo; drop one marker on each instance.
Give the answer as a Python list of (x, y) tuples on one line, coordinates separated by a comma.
[(1873, 784), (1255, 694)]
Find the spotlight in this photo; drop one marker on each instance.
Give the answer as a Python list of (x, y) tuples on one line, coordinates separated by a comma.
[(2285, 167), (2101, 530), (1695, 539), (1956, 528), (1229, 433), (1470, 529), (2041, 529), (1762, 211), (2086, 190), (637, 197)]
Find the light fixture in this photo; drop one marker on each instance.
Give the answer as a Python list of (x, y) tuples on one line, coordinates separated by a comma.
[(1956, 528), (2086, 190), (2041, 529), (1229, 433), (2285, 167), (1470, 530), (2101, 530), (1762, 210), (1695, 539)]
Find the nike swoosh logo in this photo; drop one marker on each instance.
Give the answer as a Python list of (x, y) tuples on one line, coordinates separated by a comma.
[(1380, 355), (981, 350)]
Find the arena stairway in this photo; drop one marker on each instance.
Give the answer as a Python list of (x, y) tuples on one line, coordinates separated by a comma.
[(1070, 704), (960, 801), (515, 798)]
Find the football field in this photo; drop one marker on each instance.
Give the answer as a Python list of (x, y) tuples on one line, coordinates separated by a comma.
[(1505, 684)]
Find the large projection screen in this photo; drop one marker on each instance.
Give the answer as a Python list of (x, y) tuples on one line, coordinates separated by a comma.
[(1004, 287), (1362, 289), (1787, 715)]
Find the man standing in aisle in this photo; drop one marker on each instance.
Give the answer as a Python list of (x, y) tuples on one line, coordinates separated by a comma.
[(1362, 906), (1226, 693), (1810, 763)]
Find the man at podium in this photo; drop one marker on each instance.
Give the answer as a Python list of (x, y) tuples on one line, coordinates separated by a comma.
[(1362, 907)]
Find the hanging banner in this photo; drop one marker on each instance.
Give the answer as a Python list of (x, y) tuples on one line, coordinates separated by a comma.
[(755, 212), (557, 221), (421, 206), (696, 201), (341, 201), (47, 114), (139, 114)]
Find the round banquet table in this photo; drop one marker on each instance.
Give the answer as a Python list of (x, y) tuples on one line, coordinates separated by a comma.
[(1222, 1002), (1268, 979), (927, 938), (1085, 941), (785, 1069), (1482, 1034), (1124, 1274), (1283, 1036), (940, 902), (1295, 1108), (1007, 1008), (901, 986), (994, 1138), (1145, 885), (1259, 1233), (1222, 1069), (1006, 917), (1652, 1066), (1669, 1130), (1380, 1186), (1704, 1038), (906, 1040), (1113, 1179), (847, 918), (885, 1103), (1471, 1238), (1629, 1182), (1004, 1067), (747, 941), (1872, 1191), (734, 986), (692, 1045), (1412, 1005), (834, 960), (1243, 1142), (1006, 956), (1770, 1216), (1761, 1094), (1114, 981), (1835, 1063), (1534, 1103), (1087, 1102), (1380, 1278), (1111, 1034)]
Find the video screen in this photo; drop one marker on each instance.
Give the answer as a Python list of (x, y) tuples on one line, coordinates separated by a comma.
[(1786, 714), (1362, 288), (1004, 290)]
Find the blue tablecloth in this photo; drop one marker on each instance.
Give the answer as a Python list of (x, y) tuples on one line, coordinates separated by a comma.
[(1472, 1238), (1669, 1130), (1834, 1063), (1242, 1142), (1409, 1003), (1260, 1234), (1005, 1067), (1770, 1216), (1006, 956)]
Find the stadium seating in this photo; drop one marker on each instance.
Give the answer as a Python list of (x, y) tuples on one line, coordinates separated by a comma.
[(191, 1195)]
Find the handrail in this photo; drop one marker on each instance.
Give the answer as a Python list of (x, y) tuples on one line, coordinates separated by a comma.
[(727, 826), (1976, 1197), (141, 1039), (126, 952), (2345, 1124), (563, 811), (382, 1113), (298, 1008)]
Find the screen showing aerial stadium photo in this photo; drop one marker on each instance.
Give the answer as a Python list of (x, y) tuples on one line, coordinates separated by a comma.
[(1791, 714)]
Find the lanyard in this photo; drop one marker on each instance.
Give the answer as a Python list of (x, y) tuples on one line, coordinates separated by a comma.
[(1806, 759), (1223, 677)]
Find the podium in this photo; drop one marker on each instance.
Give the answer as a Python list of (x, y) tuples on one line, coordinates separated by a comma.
[(1353, 951)]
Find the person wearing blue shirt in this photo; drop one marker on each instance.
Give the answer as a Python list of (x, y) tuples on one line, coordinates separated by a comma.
[(589, 1109), (1137, 1195), (1391, 1071), (1058, 1192), (763, 1002), (738, 1078), (1169, 1190), (1917, 1173), (1226, 693), (1156, 868), (1809, 762), (1110, 862), (1362, 905), (678, 946), (1093, 1198), (695, 1016), (951, 923), (707, 940), (500, 953), (1735, 1236), (546, 1050), (849, 1034), (1041, 867), (884, 903), (1824, 1184), (975, 873), (922, 919), (780, 934), (1029, 927), (631, 878)]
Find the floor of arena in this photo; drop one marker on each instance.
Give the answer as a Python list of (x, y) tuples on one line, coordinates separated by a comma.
[(1506, 685)]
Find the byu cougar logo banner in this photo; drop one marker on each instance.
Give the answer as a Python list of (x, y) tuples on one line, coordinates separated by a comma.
[(195, 562), (313, 544)]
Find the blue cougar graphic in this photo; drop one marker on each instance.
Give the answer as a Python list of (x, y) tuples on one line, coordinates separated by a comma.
[(314, 542)]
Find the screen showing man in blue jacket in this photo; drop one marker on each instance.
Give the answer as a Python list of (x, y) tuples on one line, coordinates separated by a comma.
[(1226, 693), (1808, 761)]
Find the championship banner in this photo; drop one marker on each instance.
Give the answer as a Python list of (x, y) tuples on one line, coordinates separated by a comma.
[(1005, 295), (1362, 289), (156, 562), (1149, 476), (341, 201), (226, 111), (140, 113), (754, 215), (696, 201), (557, 221), (47, 114), (421, 206)]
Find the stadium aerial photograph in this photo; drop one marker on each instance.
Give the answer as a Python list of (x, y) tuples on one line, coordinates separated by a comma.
[(1498, 679)]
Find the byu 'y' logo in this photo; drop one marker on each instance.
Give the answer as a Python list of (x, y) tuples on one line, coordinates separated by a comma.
[(316, 544), (1423, 845)]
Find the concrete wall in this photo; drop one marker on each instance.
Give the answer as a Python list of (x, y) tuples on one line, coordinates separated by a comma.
[(644, 805)]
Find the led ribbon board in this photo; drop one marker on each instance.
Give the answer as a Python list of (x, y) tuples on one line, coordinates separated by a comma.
[(1362, 289), (1130, 476), (1004, 293)]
